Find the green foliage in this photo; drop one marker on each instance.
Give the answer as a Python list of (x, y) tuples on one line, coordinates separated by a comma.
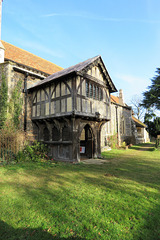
[(113, 141), (153, 127), (149, 115), (15, 104), (3, 101), (152, 96), (11, 142), (123, 144), (35, 152)]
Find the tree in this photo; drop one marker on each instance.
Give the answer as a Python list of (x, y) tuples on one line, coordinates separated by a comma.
[(152, 96), (138, 109), (149, 115), (154, 127)]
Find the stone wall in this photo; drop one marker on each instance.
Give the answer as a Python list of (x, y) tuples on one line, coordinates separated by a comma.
[(13, 76), (119, 124)]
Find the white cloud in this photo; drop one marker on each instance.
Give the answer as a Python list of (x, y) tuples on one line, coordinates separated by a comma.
[(98, 18)]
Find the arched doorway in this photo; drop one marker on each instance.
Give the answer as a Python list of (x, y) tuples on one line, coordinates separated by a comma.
[(87, 143)]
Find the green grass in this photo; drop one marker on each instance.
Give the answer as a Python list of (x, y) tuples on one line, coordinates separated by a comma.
[(117, 200)]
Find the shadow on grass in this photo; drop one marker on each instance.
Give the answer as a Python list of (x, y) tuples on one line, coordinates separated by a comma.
[(63, 195), (149, 230), (43, 195), (144, 147), (9, 233)]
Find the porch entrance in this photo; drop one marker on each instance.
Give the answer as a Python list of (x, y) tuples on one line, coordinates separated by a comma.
[(87, 143)]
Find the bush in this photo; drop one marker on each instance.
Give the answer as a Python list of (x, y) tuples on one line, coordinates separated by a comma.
[(113, 141), (35, 152), (14, 146), (128, 140), (11, 142), (123, 144)]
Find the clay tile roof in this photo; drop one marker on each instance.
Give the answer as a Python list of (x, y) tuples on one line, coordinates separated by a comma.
[(114, 99), (21, 56), (138, 122)]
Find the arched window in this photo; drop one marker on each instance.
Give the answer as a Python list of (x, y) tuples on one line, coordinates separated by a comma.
[(66, 134), (46, 134), (55, 134)]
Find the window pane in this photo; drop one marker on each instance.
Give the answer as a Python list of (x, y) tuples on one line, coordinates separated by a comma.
[(101, 95), (97, 93), (90, 91), (94, 91), (87, 89)]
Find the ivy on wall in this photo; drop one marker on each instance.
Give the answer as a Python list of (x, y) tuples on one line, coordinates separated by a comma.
[(10, 107), (3, 101), (16, 103)]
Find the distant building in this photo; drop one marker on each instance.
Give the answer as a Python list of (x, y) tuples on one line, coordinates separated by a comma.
[(123, 124), (142, 136)]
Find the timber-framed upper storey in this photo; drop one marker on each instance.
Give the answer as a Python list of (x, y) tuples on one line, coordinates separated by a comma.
[(81, 90)]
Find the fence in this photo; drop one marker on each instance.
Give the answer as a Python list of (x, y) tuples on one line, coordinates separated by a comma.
[(10, 145)]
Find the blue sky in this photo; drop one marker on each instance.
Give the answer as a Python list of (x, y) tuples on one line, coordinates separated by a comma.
[(126, 33)]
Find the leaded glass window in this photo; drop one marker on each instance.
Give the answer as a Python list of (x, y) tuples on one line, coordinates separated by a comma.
[(90, 91), (94, 92), (97, 93), (87, 89), (100, 94)]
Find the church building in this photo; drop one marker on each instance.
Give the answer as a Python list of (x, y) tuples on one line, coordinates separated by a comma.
[(71, 110), (65, 109)]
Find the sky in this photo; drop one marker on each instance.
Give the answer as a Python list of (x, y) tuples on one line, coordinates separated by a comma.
[(126, 33)]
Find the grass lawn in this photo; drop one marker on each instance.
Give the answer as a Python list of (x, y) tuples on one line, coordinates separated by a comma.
[(119, 199)]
